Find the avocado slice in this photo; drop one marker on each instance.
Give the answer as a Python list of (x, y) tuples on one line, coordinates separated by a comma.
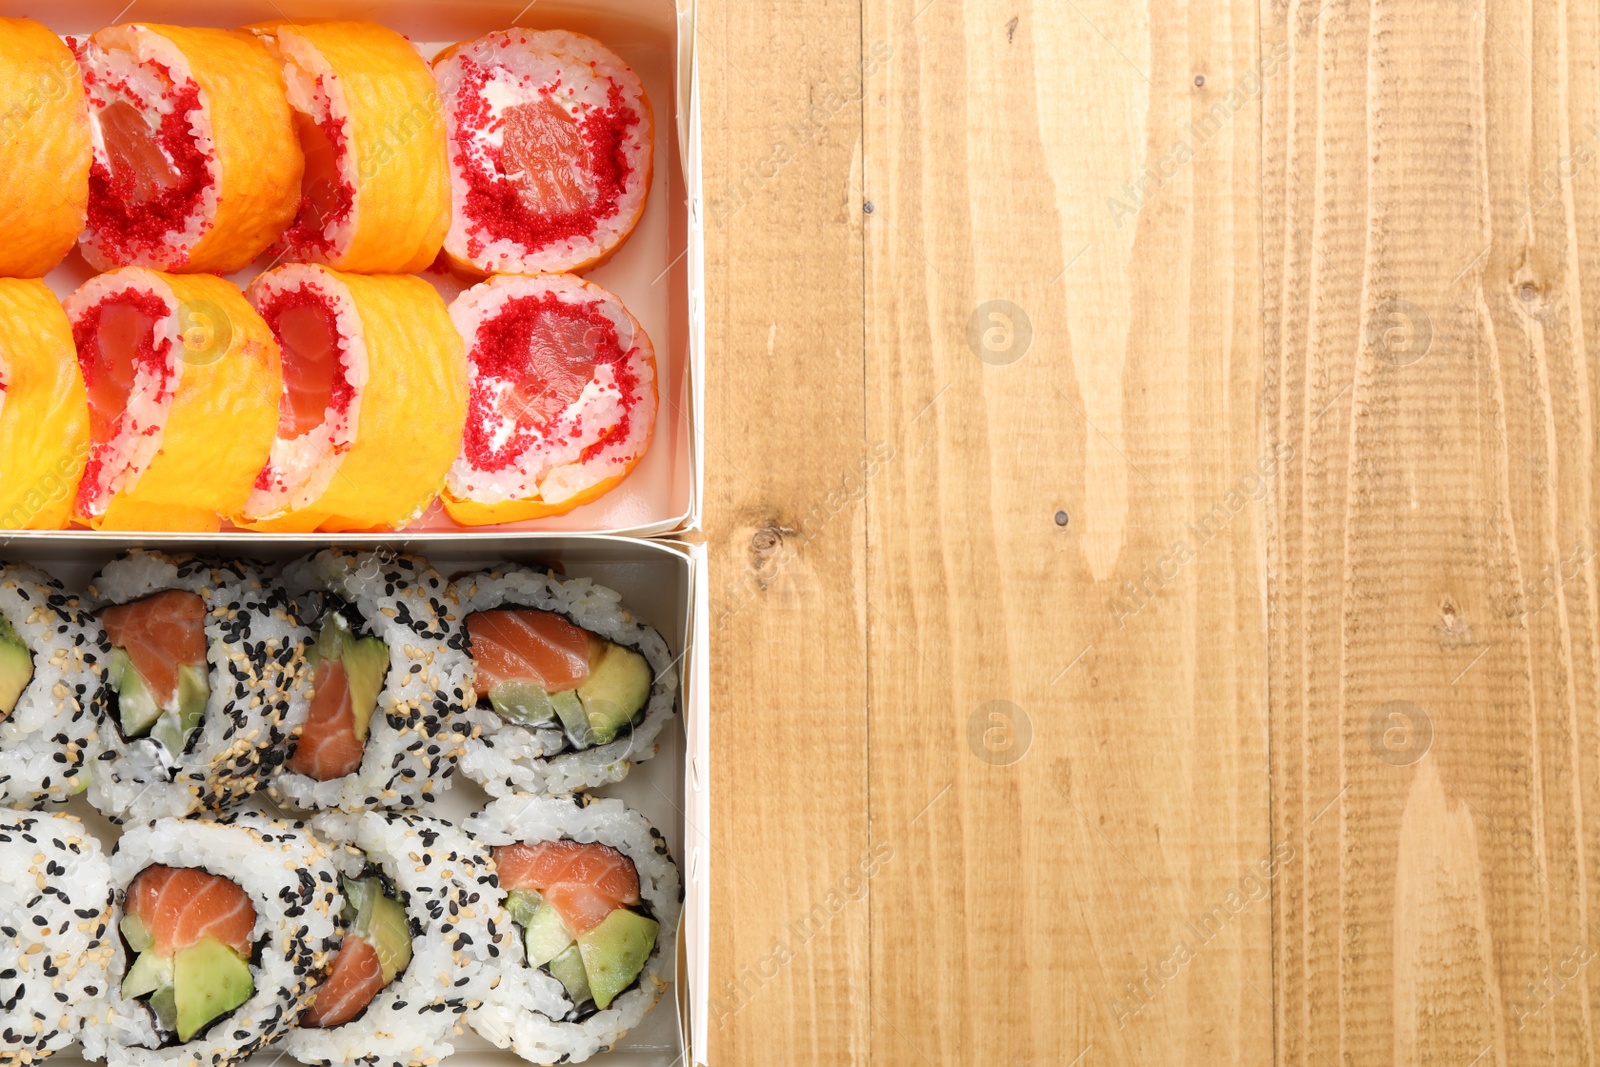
[(366, 663), (209, 980), (568, 969), (164, 1002), (615, 952), (138, 709), (135, 932), (149, 973), (573, 720), (381, 922), (545, 935), (614, 692), (175, 725), (522, 702), (16, 668)]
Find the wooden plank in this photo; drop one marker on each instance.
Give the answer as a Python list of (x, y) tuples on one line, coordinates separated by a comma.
[(1095, 892), (1429, 196), (788, 651)]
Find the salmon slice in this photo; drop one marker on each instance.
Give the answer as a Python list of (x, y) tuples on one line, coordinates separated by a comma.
[(561, 357), (356, 978), (311, 367), (180, 905), (530, 646), (160, 634), (583, 882), (546, 156), (328, 747), (137, 162)]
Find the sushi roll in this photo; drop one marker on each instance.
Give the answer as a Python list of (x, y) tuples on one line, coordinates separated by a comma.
[(561, 402), (372, 369), (183, 380), (44, 140), (44, 409), (375, 198), (55, 933), (389, 678), (574, 689), (593, 897), (420, 935), (226, 929), (205, 664), (196, 162), (551, 143), (54, 689)]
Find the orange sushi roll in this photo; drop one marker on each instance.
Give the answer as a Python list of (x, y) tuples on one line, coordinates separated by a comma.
[(184, 380), (44, 411), (44, 140), (375, 198), (374, 398), (551, 147), (562, 400), (196, 162)]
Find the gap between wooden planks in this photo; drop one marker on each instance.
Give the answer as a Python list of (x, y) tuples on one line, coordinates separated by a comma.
[(1280, 308)]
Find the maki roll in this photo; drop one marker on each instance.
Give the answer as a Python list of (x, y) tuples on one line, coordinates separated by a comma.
[(54, 689), (593, 897), (225, 930), (388, 677), (372, 369), (376, 193), (183, 379), (55, 933), (44, 139), (44, 410), (196, 163), (205, 666), (551, 140), (420, 933), (562, 398), (573, 688)]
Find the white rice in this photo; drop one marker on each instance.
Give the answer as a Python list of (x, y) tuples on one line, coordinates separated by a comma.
[(508, 758), (255, 651), (48, 739), (55, 914), (519, 1014), (296, 895), (447, 883)]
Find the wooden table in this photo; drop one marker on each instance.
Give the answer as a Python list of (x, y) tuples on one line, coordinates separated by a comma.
[(1151, 472)]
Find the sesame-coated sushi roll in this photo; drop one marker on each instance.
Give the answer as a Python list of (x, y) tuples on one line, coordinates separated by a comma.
[(420, 936), (226, 928), (561, 402), (373, 371), (44, 140), (551, 142), (55, 933), (44, 410), (389, 678), (54, 690), (574, 689), (594, 898), (375, 198), (196, 162), (206, 664), (184, 380)]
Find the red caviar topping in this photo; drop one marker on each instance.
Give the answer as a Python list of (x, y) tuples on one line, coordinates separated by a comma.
[(145, 194)]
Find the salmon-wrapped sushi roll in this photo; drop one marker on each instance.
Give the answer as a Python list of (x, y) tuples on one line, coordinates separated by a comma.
[(375, 198), (196, 162), (44, 140), (562, 401), (374, 398), (44, 411), (183, 380), (551, 139)]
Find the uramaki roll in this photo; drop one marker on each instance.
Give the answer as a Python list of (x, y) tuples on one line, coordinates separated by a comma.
[(374, 398), (196, 162), (44, 140), (562, 400), (551, 139), (44, 410), (375, 198), (183, 381)]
